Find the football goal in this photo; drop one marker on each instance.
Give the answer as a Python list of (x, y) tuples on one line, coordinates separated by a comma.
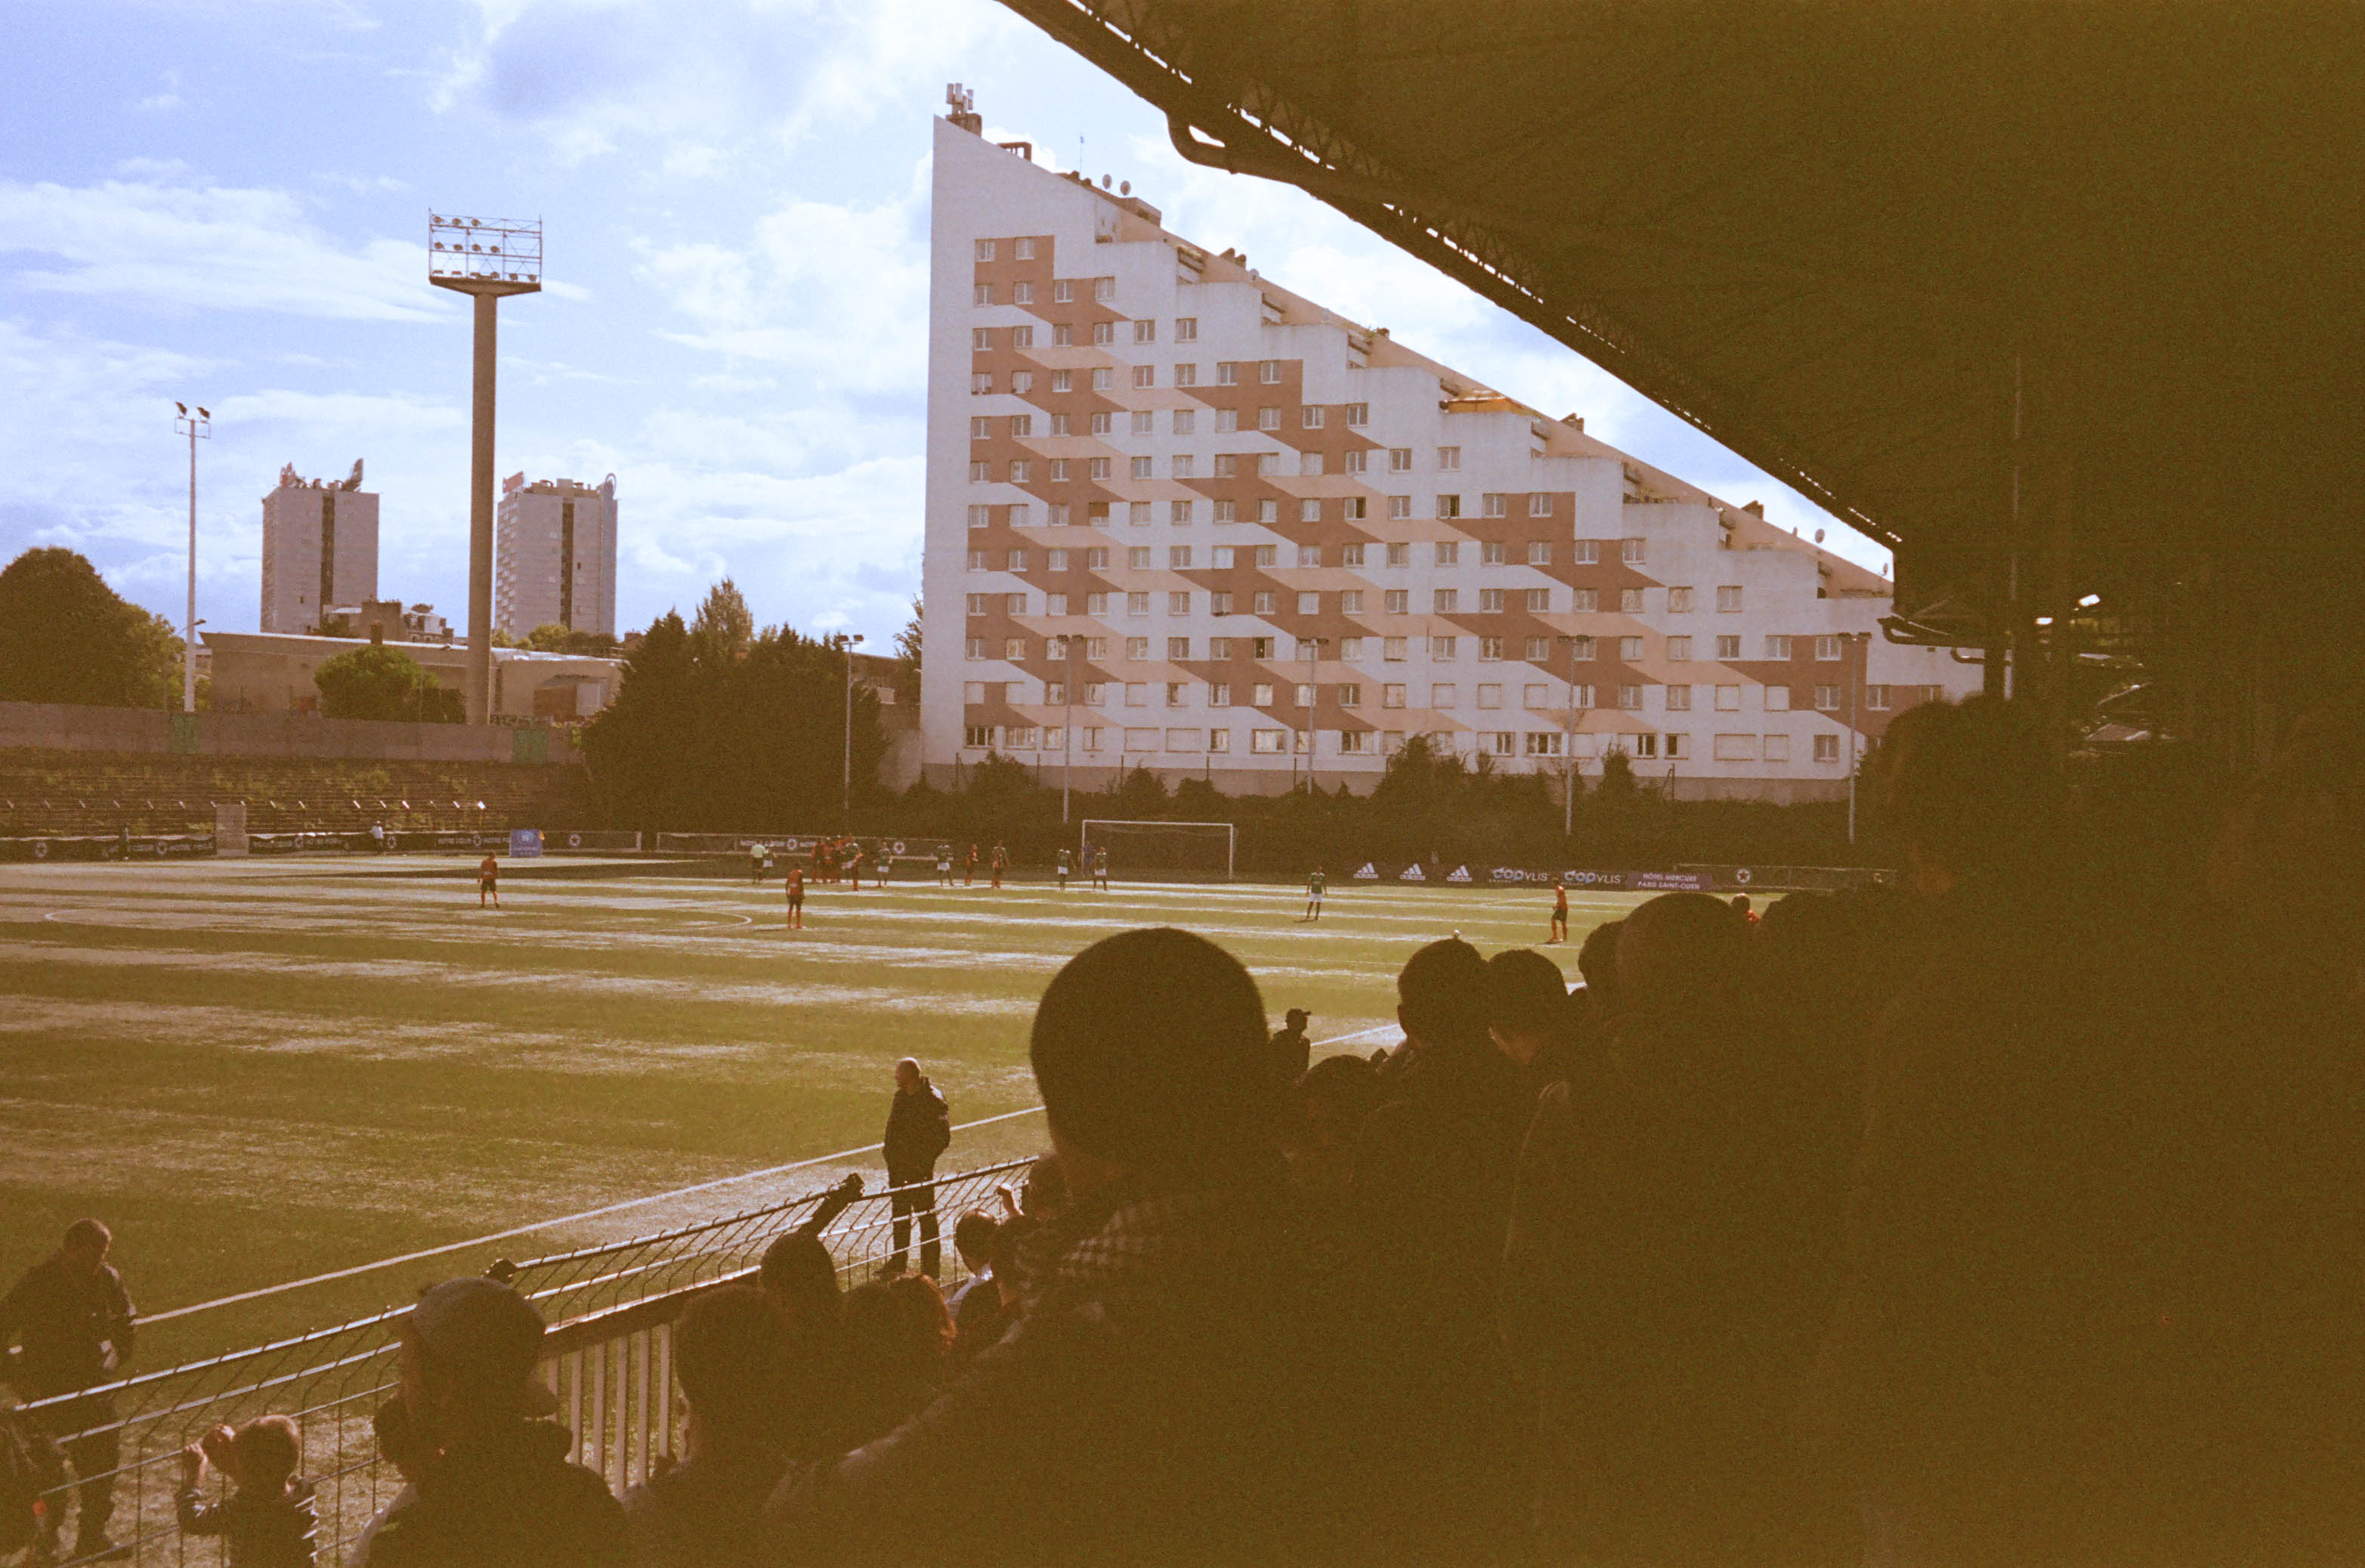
[(1156, 848)]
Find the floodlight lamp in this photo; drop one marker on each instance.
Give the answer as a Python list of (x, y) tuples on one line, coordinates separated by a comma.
[(2045, 621), (2091, 600), (204, 413)]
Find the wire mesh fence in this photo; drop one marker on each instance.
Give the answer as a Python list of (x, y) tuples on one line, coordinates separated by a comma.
[(608, 1359)]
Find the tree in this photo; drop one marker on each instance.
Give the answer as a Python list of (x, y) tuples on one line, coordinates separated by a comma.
[(65, 636), (1618, 781), (374, 681), (726, 627), (552, 638), (907, 657)]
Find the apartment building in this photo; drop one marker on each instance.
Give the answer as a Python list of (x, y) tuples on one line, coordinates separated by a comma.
[(319, 549), (554, 556), (1187, 521)]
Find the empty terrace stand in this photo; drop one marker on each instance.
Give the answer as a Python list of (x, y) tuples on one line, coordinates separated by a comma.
[(46, 793)]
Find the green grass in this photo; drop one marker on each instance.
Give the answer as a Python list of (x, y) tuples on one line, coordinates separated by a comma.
[(262, 1070)]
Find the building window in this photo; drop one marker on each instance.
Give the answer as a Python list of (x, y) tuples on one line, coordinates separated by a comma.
[(1491, 552), (981, 516), (1178, 649), (1679, 699), (1186, 328), (1022, 426), (1018, 515), (981, 383), (982, 295), (1267, 511), (980, 472), (1022, 381), (1629, 601), (1020, 470), (1013, 649), (1096, 559), (1309, 464), (1266, 741), (1728, 699), (1736, 748), (1219, 603), (1827, 650), (1539, 504), (1104, 379), (1728, 648), (981, 427), (1186, 375), (985, 250), (1581, 649), (1449, 505), (1137, 604), (1827, 699), (1443, 650), (1393, 649), (1536, 650), (1310, 416), (1063, 335), (1174, 689), (1399, 602), (1178, 603), (1022, 294), (1267, 465), (1064, 291), (1679, 747), (1400, 460), (1494, 503), (1267, 554), (1630, 696), (1178, 513), (1876, 697), (1144, 332), (1141, 471), (1449, 457), (1544, 743), (1778, 748), (1269, 372), (1777, 699), (1445, 601), (1099, 469), (1539, 552), (1540, 602), (1225, 511), (1185, 466), (1728, 601), (1490, 649), (1778, 647), (1588, 553), (1350, 602), (1357, 415), (1490, 602), (1350, 694), (1392, 695), (1584, 601), (1104, 290), (1186, 421), (1399, 506), (974, 648), (1055, 604), (1227, 465), (1228, 374), (1631, 552), (1350, 555), (1061, 381), (1679, 649), (1268, 603), (1138, 512), (1443, 694), (1021, 337), (1630, 649)]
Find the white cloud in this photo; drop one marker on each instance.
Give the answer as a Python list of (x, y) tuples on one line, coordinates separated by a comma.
[(838, 291), (206, 248)]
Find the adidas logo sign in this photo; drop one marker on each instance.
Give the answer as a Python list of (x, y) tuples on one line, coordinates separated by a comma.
[(1411, 874), (1459, 874), (1370, 873)]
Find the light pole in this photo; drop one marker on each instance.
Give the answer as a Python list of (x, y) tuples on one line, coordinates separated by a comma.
[(1067, 641), (198, 427), (1863, 640), (845, 643), (1568, 746), (1313, 646), (488, 258)]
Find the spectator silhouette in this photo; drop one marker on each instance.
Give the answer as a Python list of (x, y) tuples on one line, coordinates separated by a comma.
[(1654, 1281), (1156, 1400), (1293, 1053), (1530, 1017), (1431, 1191), (73, 1324), (1597, 962), (499, 1490), (732, 1360)]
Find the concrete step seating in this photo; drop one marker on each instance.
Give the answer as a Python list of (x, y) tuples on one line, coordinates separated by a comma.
[(68, 794)]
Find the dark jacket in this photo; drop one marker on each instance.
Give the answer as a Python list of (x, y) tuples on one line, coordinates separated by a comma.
[(1164, 1399), (1292, 1054), (264, 1532), (506, 1498), (704, 1512), (919, 1129), (66, 1323)]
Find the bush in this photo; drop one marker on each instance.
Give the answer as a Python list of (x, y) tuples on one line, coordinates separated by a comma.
[(379, 682)]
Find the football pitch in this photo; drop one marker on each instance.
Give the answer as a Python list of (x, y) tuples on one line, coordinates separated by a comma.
[(258, 1071)]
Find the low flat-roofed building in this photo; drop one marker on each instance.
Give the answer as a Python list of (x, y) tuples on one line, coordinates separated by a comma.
[(269, 672)]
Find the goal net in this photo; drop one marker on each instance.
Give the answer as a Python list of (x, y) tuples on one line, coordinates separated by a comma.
[(1156, 848)]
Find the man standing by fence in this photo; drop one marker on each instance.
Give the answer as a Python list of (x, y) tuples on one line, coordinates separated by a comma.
[(75, 1321), (919, 1129)]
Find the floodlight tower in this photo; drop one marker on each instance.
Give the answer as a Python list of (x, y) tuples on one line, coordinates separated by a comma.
[(487, 257), (198, 427)]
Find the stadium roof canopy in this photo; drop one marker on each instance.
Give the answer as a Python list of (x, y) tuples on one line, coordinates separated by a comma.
[(1852, 242)]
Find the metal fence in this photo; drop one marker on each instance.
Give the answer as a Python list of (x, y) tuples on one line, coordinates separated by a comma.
[(608, 1358)]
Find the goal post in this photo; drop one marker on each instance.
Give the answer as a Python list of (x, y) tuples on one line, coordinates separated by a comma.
[(1176, 848)]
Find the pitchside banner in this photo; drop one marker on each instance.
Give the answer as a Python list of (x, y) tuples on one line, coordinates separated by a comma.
[(1466, 874)]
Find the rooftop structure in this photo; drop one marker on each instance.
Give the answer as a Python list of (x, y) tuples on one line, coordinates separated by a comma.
[(555, 561), (319, 549)]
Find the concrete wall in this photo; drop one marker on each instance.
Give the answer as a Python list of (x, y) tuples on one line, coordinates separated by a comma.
[(62, 727)]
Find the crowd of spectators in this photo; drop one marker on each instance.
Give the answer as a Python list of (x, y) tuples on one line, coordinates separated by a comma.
[(2011, 1215)]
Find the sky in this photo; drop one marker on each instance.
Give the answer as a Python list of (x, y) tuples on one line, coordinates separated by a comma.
[(224, 201)]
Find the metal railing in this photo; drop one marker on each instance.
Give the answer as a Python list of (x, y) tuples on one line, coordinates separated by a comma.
[(608, 1359)]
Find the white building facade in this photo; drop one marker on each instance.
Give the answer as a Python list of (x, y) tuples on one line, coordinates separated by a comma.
[(1181, 519), (319, 550), (555, 556)]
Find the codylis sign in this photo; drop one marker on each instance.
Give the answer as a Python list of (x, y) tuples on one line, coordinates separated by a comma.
[(1467, 875)]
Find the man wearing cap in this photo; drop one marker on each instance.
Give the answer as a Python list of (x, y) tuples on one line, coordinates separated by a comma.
[(1169, 1393), (499, 1492), (1293, 1053)]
